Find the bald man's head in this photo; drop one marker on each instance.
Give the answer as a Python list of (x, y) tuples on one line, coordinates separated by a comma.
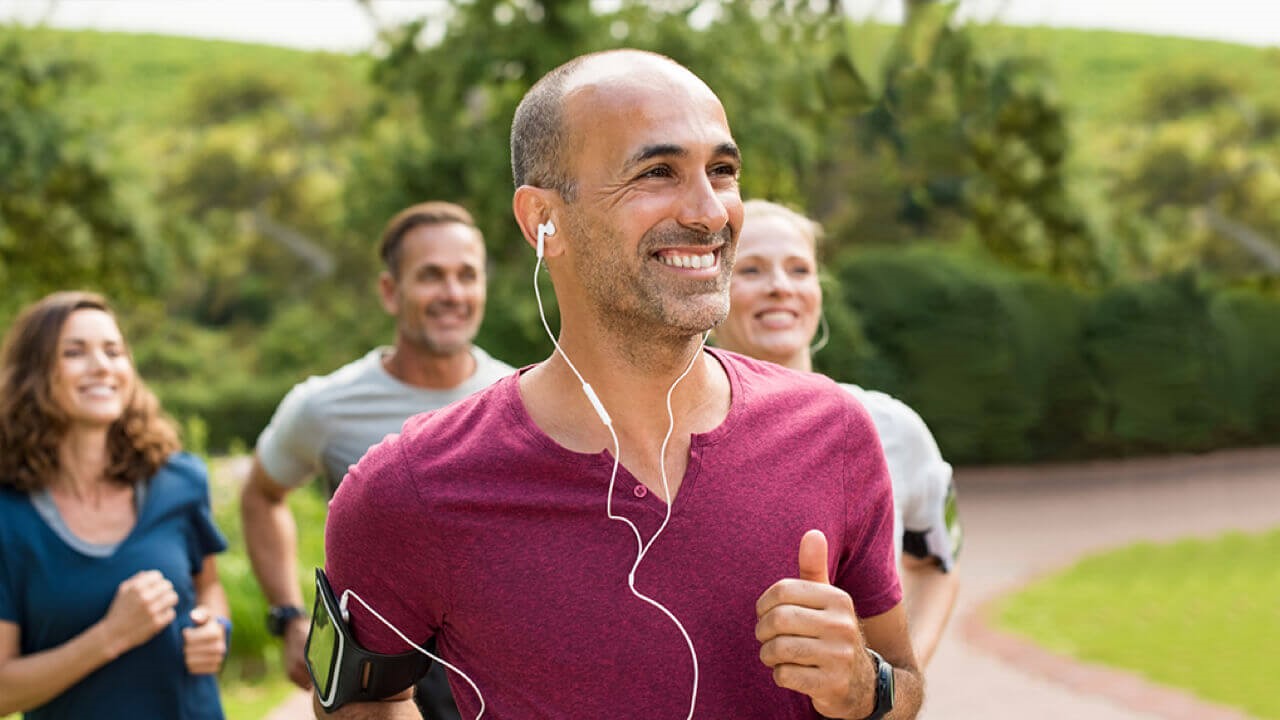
[(539, 133)]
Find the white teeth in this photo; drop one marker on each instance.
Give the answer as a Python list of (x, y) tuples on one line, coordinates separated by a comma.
[(695, 262)]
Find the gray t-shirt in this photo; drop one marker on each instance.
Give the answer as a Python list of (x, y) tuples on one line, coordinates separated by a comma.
[(325, 424)]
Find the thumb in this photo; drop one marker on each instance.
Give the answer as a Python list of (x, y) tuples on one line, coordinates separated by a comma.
[(813, 557), (200, 615)]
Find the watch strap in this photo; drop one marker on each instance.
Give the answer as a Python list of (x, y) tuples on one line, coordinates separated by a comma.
[(884, 686), (279, 616)]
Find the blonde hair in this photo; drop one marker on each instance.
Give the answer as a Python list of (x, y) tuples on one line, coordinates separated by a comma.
[(810, 229)]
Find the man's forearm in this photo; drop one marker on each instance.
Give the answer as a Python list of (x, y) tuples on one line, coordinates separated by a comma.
[(271, 536), (908, 694)]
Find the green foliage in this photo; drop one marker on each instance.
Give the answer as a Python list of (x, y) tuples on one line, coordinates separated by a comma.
[(65, 218), (1185, 89), (1177, 402), (961, 142), (253, 651), (258, 178), (1009, 367), (1247, 323), (989, 358), (1161, 610)]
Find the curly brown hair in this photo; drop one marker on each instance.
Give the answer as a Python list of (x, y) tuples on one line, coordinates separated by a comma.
[(32, 425)]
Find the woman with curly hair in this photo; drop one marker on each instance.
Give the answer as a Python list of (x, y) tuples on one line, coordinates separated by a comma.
[(110, 605)]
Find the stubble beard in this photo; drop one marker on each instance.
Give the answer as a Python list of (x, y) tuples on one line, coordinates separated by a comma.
[(414, 332), (645, 301)]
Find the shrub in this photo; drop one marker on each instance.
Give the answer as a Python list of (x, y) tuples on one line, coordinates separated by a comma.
[(1155, 352), (986, 356)]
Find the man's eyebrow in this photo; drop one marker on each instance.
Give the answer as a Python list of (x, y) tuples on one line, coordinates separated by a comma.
[(650, 152), (730, 150)]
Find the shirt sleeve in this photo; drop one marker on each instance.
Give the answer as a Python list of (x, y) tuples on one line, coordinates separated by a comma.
[(867, 568), (205, 538), (930, 523), (290, 446), (378, 546)]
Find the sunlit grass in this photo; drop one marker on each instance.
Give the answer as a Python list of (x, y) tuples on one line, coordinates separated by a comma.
[(1203, 615)]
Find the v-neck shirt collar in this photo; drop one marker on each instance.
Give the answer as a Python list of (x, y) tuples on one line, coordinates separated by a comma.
[(47, 509)]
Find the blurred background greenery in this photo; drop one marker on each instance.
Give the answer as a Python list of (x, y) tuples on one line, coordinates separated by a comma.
[(1054, 244)]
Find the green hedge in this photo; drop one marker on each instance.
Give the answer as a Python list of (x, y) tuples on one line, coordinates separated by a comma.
[(1008, 367)]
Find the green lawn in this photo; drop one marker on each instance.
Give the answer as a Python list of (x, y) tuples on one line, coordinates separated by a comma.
[(1203, 615)]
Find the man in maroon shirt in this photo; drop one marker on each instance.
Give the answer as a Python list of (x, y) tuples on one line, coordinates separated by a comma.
[(489, 524)]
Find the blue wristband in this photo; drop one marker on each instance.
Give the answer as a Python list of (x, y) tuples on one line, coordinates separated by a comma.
[(226, 625)]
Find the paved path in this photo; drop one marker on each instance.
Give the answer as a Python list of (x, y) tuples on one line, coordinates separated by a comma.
[(1023, 522)]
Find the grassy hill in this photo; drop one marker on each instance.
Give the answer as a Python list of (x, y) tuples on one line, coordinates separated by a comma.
[(141, 79), (1100, 73)]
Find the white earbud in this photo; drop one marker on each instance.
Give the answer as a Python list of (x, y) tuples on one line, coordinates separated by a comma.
[(544, 229)]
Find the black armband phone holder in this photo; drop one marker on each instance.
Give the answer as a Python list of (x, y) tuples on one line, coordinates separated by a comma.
[(341, 670)]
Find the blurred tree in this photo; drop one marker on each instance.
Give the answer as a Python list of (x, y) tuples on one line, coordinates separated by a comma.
[(1199, 183), (956, 143), (66, 219), (253, 181)]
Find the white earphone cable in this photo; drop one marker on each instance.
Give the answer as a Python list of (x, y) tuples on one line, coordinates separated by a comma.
[(642, 548)]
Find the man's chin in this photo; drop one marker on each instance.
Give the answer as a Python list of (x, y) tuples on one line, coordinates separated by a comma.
[(443, 345), (699, 319)]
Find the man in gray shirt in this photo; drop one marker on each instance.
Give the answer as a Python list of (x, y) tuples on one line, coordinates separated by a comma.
[(434, 285)]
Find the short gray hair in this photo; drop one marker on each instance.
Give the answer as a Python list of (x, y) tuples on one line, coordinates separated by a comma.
[(538, 132)]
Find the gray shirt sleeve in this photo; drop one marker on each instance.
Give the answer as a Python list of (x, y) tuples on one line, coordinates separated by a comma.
[(290, 446)]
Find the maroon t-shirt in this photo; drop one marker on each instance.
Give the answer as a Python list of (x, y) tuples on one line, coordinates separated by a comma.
[(477, 528)]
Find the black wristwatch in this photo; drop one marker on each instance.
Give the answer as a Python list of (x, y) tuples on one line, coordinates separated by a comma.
[(884, 686), (279, 616)]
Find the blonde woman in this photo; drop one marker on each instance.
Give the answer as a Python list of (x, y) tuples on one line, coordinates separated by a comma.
[(774, 313)]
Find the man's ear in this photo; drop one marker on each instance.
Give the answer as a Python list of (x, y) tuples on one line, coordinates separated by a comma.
[(533, 207), (387, 292)]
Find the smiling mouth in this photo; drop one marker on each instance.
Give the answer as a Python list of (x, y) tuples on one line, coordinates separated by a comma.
[(689, 260), (777, 319)]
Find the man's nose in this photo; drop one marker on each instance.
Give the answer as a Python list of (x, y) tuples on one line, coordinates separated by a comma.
[(453, 288), (703, 209)]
